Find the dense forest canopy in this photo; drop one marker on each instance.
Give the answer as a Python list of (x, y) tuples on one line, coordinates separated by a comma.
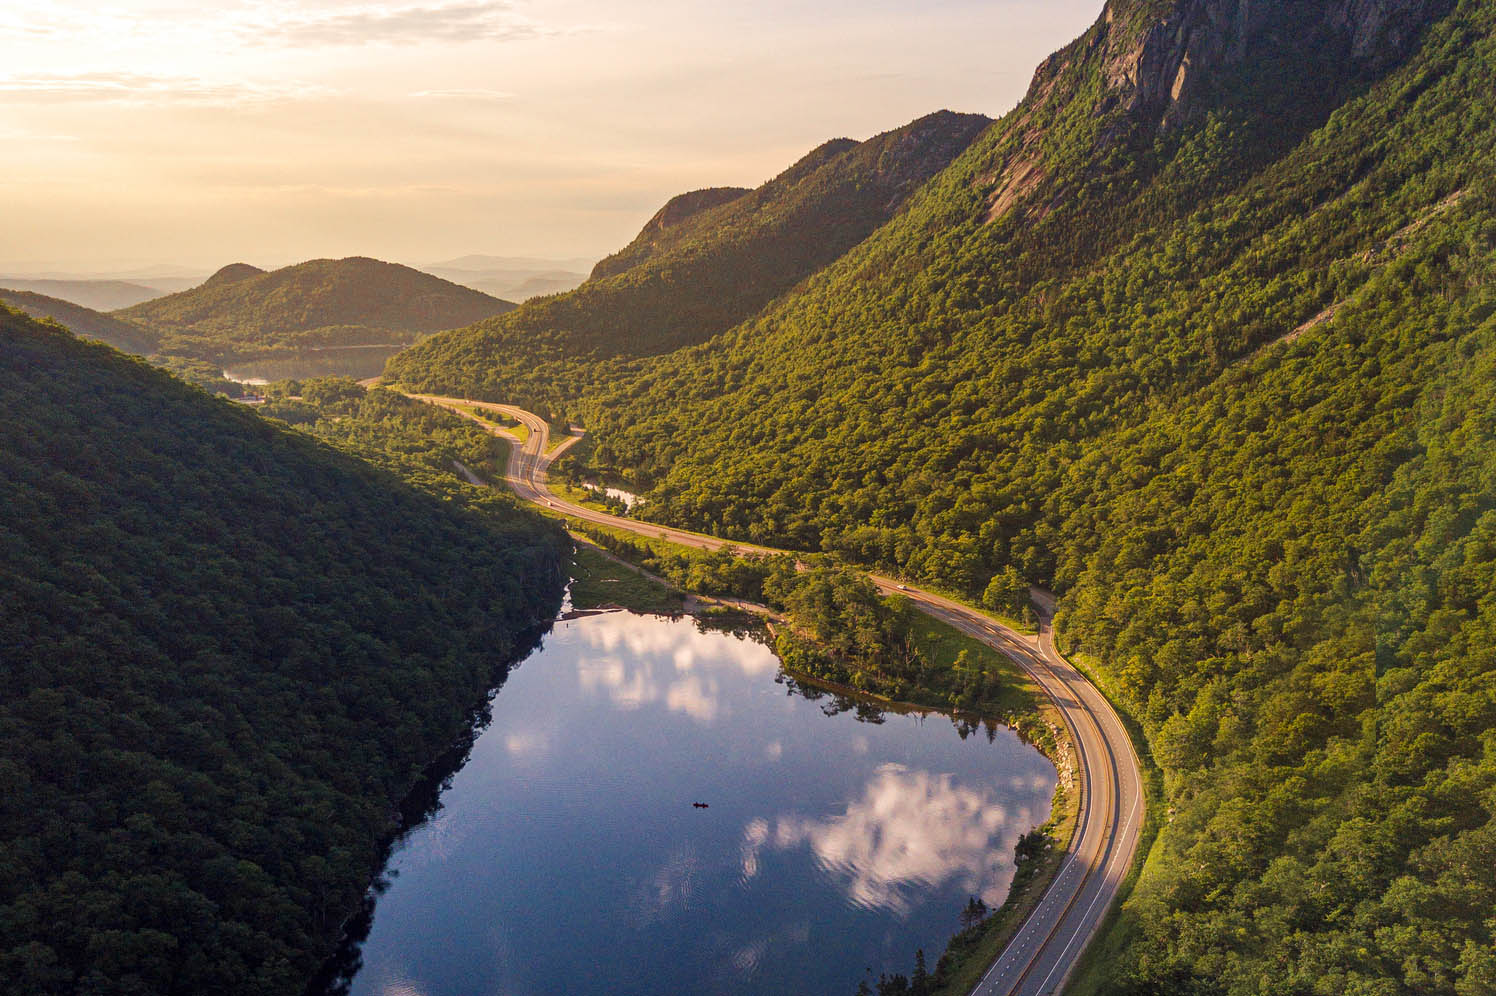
[(681, 219), (229, 651), (1202, 336)]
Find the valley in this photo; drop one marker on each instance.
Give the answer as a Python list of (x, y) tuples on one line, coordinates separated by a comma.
[(1063, 538), (1044, 950)]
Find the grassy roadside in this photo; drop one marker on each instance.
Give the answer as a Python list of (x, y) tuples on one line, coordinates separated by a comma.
[(1025, 626), (578, 496), (601, 580), (556, 439)]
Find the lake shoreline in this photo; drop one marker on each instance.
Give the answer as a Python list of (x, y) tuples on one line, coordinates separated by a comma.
[(979, 946), (414, 808)]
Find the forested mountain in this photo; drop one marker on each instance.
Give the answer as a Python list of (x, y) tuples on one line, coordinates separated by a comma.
[(679, 221), (120, 334), (242, 312), (1203, 336), (229, 654), (231, 274), (704, 263)]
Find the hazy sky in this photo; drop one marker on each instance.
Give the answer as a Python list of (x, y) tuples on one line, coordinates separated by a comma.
[(418, 130)]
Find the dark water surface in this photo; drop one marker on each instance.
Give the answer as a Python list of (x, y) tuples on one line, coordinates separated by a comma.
[(567, 856), (357, 362)]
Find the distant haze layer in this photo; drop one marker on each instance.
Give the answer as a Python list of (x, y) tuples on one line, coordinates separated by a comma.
[(157, 131)]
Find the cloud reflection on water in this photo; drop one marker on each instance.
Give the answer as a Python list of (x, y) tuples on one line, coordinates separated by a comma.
[(909, 831), (637, 662)]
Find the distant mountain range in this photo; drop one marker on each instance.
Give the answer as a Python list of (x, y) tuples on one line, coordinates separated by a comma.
[(514, 278), (481, 262), (334, 316), (100, 295)]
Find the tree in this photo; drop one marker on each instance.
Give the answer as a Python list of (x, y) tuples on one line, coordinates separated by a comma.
[(919, 982), (1007, 593), (974, 913)]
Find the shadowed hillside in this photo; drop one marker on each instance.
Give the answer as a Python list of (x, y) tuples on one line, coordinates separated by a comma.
[(230, 652), (117, 332)]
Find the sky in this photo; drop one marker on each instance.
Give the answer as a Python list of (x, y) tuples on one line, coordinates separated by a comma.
[(201, 133)]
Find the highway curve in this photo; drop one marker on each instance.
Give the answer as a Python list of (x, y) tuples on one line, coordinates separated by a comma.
[(1046, 949)]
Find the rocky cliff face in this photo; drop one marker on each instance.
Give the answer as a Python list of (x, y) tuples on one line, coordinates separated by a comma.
[(1169, 70), (1149, 67)]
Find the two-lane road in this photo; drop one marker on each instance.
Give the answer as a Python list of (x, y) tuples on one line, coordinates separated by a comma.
[(1048, 945)]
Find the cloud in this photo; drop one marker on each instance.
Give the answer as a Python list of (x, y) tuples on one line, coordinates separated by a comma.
[(25, 135), (526, 744), (139, 88), (464, 94), (34, 21), (472, 20)]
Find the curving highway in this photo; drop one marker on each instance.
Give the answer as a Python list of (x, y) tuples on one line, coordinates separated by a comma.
[(1045, 950)]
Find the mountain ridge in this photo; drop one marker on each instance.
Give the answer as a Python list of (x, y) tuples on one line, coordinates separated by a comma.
[(232, 273), (713, 269), (122, 335), (677, 211), (1217, 370), (231, 652), (242, 313)]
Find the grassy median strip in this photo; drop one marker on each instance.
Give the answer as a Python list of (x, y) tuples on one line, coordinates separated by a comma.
[(494, 420)]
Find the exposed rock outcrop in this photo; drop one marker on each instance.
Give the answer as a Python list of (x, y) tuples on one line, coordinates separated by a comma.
[(1164, 63), (1169, 70)]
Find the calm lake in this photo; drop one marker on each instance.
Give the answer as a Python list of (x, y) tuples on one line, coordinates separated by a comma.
[(568, 857), (357, 362)]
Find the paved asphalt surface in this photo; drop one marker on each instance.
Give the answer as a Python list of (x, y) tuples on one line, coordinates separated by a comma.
[(1046, 949)]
